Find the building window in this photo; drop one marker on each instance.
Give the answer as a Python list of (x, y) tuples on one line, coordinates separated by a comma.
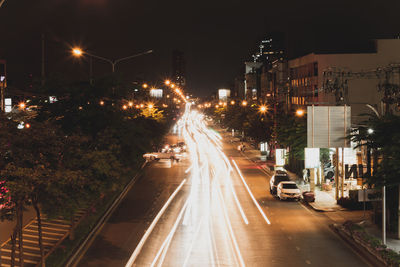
[(315, 68)]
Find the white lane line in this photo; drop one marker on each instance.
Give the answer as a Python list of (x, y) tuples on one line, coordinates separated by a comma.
[(152, 225), (188, 169), (238, 204), (251, 194), (164, 247), (228, 223), (192, 243)]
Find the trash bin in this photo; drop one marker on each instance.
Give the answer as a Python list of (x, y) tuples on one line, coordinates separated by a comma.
[(309, 196)]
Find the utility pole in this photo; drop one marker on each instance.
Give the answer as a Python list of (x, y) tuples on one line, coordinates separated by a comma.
[(43, 73)]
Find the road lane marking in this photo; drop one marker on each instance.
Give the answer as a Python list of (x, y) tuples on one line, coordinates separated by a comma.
[(251, 194), (152, 225), (164, 247), (192, 243), (228, 222)]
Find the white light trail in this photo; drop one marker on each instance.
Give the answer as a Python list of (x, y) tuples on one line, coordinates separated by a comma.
[(228, 223), (192, 243), (164, 247), (152, 225), (251, 194)]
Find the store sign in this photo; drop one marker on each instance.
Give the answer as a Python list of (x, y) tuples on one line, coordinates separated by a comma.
[(356, 171), (328, 126), (7, 105), (366, 195), (311, 156), (280, 157)]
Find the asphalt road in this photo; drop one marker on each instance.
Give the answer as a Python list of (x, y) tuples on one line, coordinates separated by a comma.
[(213, 209)]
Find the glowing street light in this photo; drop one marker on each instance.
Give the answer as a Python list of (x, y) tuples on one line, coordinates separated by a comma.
[(124, 107), (150, 106), (22, 105), (145, 85), (232, 102), (370, 131), (244, 103), (101, 103), (299, 112), (130, 103), (263, 109), (78, 52), (167, 82)]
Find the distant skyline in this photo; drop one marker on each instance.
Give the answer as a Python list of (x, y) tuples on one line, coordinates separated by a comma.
[(216, 37)]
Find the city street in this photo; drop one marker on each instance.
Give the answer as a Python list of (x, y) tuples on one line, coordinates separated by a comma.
[(213, 208)]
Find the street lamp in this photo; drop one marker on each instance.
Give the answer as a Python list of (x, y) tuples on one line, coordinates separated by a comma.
[(167, 82), (244, 103), (299, 112), (22, 105), (79, 52), (263, 109)]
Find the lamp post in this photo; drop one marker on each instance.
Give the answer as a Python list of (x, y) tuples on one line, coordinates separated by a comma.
[(79, 52), (2, 86)]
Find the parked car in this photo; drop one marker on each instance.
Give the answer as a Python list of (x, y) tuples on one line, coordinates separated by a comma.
[(279, 176), (288, 190), (329, 171)]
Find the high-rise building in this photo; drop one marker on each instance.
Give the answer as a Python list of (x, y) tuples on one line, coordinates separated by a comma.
[(271, 49), (178, 68)]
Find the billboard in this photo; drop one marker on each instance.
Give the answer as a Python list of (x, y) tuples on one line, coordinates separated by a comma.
[(156, 93), (224, 94), (280, 157), (328, 126), (311, 158)]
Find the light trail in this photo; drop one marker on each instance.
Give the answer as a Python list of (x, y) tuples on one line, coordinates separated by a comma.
[(251, 194), (192, 243), (152, 225), (203, 221), (164, 247), (232, 235)]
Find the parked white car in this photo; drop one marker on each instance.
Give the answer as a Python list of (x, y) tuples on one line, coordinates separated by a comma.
[(288, 190)]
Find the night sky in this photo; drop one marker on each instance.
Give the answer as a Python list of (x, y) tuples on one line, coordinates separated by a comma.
[(216, 36)]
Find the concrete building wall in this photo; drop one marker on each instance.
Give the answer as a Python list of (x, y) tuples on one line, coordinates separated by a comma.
[(361, 91)]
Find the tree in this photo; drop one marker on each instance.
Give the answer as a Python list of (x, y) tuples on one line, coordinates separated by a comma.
[(292, 133)]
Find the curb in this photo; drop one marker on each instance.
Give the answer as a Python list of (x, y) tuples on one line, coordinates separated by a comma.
[(365, 254), (83, 247)]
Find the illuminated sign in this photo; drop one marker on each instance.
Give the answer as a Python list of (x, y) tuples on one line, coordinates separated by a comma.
[(311, 156), (223, 94), (156, 93), (280, 157)]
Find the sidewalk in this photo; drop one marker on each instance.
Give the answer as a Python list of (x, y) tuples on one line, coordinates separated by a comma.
[(324, 200)]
